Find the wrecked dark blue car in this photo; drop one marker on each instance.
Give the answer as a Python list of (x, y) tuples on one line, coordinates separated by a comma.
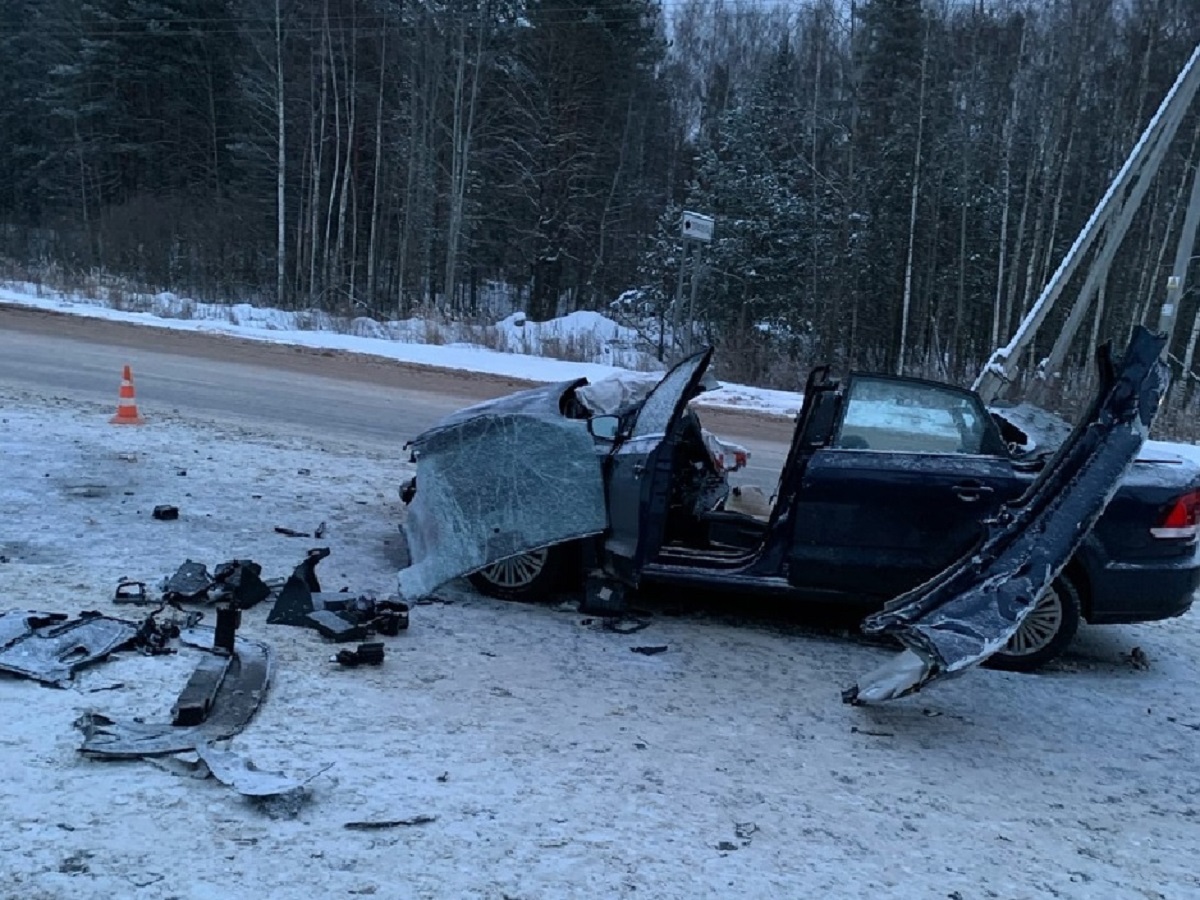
[(888, 483)]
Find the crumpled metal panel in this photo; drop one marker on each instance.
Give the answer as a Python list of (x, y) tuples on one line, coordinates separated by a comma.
[(53, 653), (963, 616), (513, 476)]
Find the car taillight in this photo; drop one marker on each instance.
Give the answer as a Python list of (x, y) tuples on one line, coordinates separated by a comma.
[(1181, 518)]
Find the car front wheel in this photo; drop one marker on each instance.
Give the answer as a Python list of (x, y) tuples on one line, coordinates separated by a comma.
[(528, 576), (1046, 631)]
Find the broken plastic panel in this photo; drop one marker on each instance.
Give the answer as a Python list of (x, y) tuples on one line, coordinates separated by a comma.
[(467, 514), (242, 686), (966, 614), (46, 648)]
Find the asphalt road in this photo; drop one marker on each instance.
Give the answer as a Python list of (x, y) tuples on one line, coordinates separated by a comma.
[(291, 389)]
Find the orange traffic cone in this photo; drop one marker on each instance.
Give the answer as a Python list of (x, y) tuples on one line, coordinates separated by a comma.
[(127, 411)]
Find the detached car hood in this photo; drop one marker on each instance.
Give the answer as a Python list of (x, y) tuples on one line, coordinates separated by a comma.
[(968, 612), (465, 514)]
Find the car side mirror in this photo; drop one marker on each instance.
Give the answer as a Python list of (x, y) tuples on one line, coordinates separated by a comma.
[(605, 428)]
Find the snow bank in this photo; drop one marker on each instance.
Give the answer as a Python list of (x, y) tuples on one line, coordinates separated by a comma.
[(591, 344)]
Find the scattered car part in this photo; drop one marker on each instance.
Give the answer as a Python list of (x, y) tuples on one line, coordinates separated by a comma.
[(237, 698), (971, 610), (366, 655), (652, 650), (49, 648), (131, 592), (166, 513), (229, 617), (247, 779), (291, 532), (190, 582), (334, 626), (198, 695), (239, 582), (337, 616), (390, 823), (319, 531), (295, 600)]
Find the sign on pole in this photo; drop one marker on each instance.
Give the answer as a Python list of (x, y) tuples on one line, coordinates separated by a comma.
[(697, 227)]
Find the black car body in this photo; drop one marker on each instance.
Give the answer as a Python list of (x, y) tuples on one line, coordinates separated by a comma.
[(887, 483)]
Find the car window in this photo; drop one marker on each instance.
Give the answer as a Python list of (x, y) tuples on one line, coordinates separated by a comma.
[(910, 417), (658, 410)]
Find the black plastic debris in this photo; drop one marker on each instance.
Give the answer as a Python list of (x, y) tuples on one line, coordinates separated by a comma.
[(337, 616), (166, 513), (291, 532), (154, 635), (228, 619), (295, 601), (131, 592), (50, 648), (390, 823), (200, 693), (335, 626), (650, 650), (366, 655), (239, 582), (190, 582)]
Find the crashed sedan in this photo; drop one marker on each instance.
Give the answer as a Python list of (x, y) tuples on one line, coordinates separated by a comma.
[(888, 483)]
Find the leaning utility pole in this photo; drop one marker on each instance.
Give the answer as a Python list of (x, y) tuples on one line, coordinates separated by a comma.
[(1112, 216)]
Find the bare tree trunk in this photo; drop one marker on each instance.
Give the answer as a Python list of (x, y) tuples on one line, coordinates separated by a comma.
[(351, 79), (280, 165), (318, 163), (464, 122), (329, 262), (373, 240), (912, 212)]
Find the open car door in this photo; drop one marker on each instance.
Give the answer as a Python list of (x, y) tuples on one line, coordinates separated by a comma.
[(640, 473)]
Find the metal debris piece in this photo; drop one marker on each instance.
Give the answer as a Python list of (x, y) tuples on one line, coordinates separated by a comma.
[(190, 582), (291, 532), (319, 532), (236, 700), (48, 648), (390, 823), (650, 651), (366, 655), (132, 592), (166, 513)]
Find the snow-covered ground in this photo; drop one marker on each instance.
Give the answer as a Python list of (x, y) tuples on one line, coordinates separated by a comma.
[(556, 762), (527, 349)]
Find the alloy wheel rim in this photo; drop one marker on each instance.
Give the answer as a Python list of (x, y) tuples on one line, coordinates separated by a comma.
[(1039, 627), (517, 571)]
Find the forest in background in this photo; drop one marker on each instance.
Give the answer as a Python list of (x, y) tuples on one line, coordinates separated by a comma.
[(893, 181)]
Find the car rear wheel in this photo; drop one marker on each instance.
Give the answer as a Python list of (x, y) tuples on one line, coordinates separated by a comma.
[(527, 576), (1046, 631)]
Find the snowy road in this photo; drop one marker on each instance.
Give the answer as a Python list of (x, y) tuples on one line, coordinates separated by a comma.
[(296, 390), (555, 762)]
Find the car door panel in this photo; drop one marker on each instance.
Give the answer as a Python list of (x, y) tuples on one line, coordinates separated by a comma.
[(639, 475), (882, 522), (901, 488)]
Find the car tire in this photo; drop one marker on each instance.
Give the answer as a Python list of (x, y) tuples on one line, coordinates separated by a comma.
[(1046, 631), (528, 576)]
